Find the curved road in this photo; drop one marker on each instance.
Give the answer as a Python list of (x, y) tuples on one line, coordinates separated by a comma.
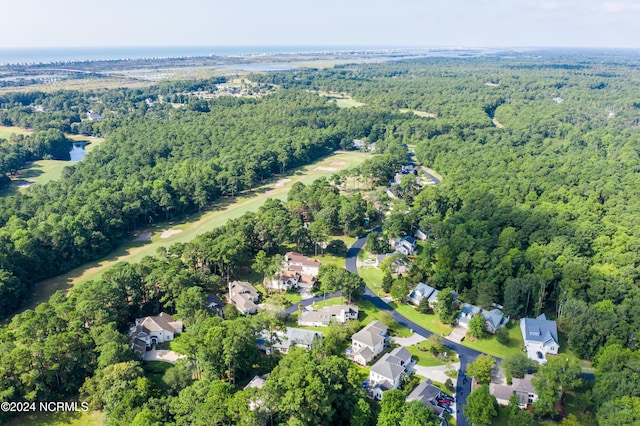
[(467, 355)]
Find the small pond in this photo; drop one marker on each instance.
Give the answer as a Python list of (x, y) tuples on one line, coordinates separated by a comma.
[(77, 151)]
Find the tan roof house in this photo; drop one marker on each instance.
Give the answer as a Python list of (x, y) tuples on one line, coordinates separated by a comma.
[(153, 330), (244, 296)]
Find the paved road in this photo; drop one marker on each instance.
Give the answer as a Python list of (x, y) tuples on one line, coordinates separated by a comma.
[(466, 355)]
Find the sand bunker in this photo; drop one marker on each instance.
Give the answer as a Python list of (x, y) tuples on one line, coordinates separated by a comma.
[(145, 236), (281, 183), (170, 232), (25, 183), (325, 169), (339, 163)]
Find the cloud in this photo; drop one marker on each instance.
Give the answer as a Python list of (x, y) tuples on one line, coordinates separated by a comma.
[(621, 7)]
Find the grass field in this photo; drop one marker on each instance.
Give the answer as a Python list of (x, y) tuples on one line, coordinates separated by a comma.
[(491, 346), (224, 210), (6, 131), (342, 100), (42, 171), (372, 276), (90, 418), (425, 358), (431, 322)]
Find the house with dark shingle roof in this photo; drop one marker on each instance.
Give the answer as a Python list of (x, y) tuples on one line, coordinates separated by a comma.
[(427, 393), (493, 319), (540, 337)]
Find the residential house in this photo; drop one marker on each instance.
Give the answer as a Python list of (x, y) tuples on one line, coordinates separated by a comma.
[(405, 245), (257, 382), (92, 116), (540, 337), (327, 314), (300, 263), (283, 340), (214, 303), (420, 234), (244, 296), (298, 271), (423, 290), (387, 373), (368, 343), (493, 319), (427, 393), (150, 331), (527, 394)]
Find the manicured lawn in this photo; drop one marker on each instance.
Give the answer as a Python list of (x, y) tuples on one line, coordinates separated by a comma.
[(89, 418), (491, 346), (327, 259), (369, 313), (221, 212), (7, 131), (431, 321), (372, 276), (424, 358)]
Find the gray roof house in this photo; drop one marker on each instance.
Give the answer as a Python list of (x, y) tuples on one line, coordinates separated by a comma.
[(324, 316), (387, 373), (367, 343), (493, 319), (540, 337), (428, 394), (527, 394), (423, 290)]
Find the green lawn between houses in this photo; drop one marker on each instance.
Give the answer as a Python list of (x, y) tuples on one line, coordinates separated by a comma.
[(491, 346), (89, 418)]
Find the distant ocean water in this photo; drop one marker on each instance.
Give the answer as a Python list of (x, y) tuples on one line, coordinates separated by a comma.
[(48, 55)]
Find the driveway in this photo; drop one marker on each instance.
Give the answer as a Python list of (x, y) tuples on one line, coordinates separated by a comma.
[(162, 355), (408, 341), (457, 334), (436, 373)]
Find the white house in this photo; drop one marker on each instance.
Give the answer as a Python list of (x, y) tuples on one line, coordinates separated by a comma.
[(324, 316), (387, 373), (244, 295), (527, 394), (150, 331), (300, 263), (493, 319), (298, 271), (405, 245), (423, 290), (540, 337), (420, 234), (367, 343)]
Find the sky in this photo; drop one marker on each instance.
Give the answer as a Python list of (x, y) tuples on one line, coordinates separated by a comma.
[(425, 23)]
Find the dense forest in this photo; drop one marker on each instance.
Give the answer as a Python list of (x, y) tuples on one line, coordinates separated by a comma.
[(165, 163), (537, 212)]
